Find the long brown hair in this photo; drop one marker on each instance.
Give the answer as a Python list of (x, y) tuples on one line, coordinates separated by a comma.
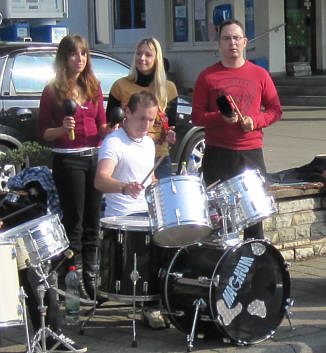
[(63, 84)]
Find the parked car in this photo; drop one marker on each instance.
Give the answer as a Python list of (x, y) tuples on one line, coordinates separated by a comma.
[(26, 67)]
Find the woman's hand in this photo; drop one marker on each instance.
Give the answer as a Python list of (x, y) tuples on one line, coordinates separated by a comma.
[(68, 123), (170, 135)]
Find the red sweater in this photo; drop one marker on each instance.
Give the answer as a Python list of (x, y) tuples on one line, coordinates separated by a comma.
[(88, 117), (252, 89)]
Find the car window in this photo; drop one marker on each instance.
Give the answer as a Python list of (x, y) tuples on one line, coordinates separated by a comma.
[(107, 71), (31, 72)]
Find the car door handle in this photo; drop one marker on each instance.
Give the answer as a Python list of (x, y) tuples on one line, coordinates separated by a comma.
[(23, 114)]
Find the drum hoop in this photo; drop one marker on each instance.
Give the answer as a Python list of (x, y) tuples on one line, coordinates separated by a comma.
[(116, 222)]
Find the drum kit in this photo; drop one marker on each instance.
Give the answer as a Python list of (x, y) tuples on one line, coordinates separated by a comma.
[(189, 255), (29, 245)]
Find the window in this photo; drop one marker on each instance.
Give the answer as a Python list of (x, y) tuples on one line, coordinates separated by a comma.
[(40, 71), (107, 71), (129, 14), (205, 15)]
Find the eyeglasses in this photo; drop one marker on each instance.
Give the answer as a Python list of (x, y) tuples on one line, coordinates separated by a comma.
[(229, 38)]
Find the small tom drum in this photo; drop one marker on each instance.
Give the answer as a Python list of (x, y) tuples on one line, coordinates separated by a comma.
[(178, 211), (128, 257), (242, 199), (38, 240), (11, 310), (242, 291)]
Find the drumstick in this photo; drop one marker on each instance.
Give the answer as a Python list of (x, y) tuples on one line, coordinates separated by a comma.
[(153, 169), (236, 108), (213, 184), (18, 212)]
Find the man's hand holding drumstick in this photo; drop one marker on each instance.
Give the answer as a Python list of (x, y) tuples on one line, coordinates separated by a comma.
[(231, 113)]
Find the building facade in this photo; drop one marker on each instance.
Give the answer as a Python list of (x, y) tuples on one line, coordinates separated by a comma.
[(283, 34)]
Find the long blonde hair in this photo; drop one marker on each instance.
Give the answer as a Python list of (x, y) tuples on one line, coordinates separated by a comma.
[(159, 81), (63, 83)]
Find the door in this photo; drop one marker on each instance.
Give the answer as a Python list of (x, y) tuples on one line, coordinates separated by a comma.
[(300, 32)]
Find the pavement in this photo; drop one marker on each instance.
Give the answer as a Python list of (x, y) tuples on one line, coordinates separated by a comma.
[(292, 142)]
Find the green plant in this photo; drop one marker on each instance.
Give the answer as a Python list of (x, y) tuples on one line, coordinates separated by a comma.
[(29, 154)]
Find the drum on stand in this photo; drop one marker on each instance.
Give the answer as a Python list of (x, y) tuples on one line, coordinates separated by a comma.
[(242, 291), (37, 240), (241, 201), (128, 251), (11, 309), (178, 211)]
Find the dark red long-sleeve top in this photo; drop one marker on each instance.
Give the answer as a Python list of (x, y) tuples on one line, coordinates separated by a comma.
[(254, 93), (89, 117)]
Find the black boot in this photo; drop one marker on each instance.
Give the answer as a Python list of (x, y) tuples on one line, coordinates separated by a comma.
[(91, 270), (79, 269)]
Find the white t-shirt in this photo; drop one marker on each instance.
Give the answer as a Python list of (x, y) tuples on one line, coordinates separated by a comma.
[(133, 161)]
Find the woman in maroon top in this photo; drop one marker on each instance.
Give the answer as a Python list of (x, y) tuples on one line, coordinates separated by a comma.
[(75, 137)]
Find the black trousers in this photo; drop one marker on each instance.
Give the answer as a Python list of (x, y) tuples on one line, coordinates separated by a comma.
[(54, 318), (222, 164), (80, 201)]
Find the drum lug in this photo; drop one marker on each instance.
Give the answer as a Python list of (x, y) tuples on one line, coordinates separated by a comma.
[(13, 253), (20, 310), (120, 236), (145, 287), (178, 215), (117, 286), (173, 187), (147, 239)]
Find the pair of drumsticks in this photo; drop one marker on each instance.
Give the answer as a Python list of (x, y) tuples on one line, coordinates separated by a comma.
[(227, 105)]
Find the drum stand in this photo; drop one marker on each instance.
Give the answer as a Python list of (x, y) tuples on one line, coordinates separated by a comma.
[(200, 305), (22, 297), (38, 343)]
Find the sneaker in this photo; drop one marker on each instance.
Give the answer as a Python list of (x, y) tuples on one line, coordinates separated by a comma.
[(152, 317), (55, 346)]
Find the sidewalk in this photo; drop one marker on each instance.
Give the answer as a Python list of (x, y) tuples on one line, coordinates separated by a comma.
[(111, 328), (292, 142)]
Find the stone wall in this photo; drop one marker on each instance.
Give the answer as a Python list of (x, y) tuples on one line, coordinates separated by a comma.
[(298, 228)]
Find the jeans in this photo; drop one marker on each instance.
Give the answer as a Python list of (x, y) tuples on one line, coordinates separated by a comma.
[(164, 169), (222, 164), (80, 201)]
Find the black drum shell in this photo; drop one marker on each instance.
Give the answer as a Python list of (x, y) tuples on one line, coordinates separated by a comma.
[(206, 270)]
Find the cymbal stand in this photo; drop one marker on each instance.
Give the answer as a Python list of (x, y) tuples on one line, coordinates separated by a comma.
[(134, 276), (200, 305), (38, 343)]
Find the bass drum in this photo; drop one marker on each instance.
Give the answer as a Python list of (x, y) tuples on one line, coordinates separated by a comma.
[(244, 290)]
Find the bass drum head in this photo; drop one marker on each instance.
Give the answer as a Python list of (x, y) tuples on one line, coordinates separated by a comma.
[(244, 289), (252, 292)]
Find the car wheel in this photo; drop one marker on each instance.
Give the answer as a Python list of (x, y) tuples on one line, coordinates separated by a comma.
[(196, 147), (6, 171)]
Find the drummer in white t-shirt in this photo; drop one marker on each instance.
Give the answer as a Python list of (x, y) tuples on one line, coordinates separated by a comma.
[(126, 157)]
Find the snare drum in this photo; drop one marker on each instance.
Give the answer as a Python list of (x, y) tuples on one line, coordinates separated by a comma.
[(178, 211), (243, 199), (38, 240), (11, 310), (243, 290), (129, 256)]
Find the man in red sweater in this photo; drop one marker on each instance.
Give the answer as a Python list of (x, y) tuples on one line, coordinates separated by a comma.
[(234, 142)]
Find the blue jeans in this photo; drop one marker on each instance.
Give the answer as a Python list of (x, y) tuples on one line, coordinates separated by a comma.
[(164, 169)]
